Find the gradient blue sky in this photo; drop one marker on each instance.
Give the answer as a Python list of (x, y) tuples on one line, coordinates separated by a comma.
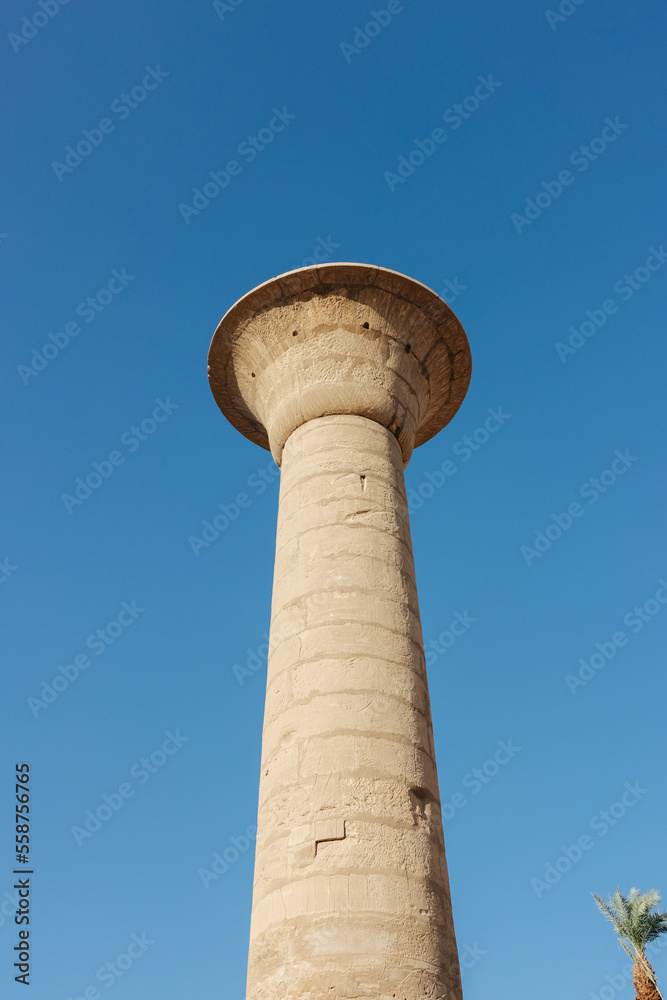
[(519, 290)]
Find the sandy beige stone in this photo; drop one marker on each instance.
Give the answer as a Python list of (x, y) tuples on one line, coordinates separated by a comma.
[(341, 370)]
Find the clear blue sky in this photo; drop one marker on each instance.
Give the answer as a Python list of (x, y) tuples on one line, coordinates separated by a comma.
[(568, 116)]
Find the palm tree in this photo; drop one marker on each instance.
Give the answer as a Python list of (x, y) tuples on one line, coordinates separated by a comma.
[(637, 922)]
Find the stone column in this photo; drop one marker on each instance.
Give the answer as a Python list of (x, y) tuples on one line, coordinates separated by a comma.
[(341, 370)]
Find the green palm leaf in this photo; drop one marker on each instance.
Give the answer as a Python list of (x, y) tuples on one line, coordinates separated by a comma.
[(636, 920)]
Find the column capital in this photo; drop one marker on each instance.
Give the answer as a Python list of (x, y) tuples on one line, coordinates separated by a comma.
[(339, 338)]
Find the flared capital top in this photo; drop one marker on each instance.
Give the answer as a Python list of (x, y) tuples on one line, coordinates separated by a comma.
[(339, 338)]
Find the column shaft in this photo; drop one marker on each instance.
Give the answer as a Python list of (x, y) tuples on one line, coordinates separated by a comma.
[(351, 895)]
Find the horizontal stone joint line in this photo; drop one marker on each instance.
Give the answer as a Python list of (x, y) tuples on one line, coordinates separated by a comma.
[(374, 558), (375, 477), (344, 657), (354, 773), (335, 693), (396, 738), (352, 621), (278, 885), (369, 819), (356, 420), (366, 526), (383, 595), (393, 432)]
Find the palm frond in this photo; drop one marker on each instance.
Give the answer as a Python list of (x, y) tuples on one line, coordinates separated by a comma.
[(636, 921), (633, 916), (607, 911)]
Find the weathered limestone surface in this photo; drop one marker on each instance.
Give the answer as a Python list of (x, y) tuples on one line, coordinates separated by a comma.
[(341, 338), (341, 370)]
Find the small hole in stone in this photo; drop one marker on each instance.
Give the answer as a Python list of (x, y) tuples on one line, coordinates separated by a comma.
[(407, 348), (366, 326), (253, 374), (294, 333)]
